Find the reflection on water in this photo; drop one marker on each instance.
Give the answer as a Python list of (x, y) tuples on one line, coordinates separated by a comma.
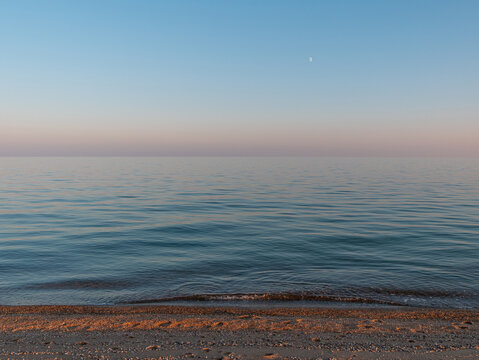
[(111, 230)]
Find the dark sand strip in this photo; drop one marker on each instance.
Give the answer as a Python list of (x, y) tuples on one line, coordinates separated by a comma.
[(177, 332)]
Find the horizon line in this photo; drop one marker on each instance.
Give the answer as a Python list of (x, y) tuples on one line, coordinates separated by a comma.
[(239, 156)]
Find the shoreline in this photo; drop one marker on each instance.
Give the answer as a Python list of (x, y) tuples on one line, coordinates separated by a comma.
[(177, 332), (259, 309)]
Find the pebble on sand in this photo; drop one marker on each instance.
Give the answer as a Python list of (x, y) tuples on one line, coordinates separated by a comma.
[(152, 347)]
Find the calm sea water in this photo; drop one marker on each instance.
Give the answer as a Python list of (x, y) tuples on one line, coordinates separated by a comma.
[(129, 230)]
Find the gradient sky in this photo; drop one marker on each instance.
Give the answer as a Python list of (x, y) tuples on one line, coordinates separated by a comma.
[(113, 77)]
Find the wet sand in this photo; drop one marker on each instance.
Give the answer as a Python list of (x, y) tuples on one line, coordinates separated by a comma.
[(185, 332)]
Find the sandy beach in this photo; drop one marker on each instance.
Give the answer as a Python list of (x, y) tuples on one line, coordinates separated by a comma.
[(183, 332)]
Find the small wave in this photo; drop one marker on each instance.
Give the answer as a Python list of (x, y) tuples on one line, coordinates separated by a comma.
[(421, 293), (274, 297)]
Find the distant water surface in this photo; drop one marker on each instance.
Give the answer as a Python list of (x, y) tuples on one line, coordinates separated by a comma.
[(139, 230)]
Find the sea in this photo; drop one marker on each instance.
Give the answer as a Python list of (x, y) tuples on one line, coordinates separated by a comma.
[(303, 231)]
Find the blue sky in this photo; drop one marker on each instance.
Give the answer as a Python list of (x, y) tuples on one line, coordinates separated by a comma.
[(392, 78)]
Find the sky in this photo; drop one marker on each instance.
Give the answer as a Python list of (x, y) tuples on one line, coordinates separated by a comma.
[(205, 77)]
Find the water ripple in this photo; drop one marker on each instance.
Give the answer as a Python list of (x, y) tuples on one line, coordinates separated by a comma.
[(119, 230)]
